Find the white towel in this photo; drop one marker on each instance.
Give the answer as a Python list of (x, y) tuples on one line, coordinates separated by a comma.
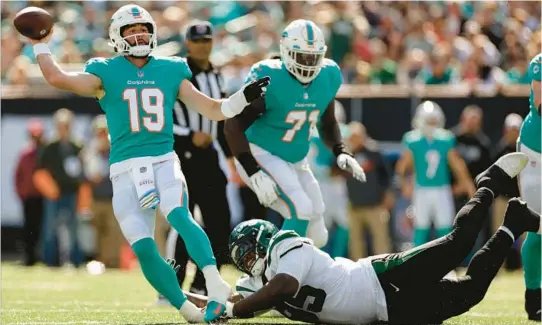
[(143, 177)]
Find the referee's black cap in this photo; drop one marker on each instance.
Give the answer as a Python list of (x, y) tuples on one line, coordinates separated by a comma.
[(199, 30)]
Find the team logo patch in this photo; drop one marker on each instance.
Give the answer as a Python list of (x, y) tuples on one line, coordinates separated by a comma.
[(143, 170), (136, 13)]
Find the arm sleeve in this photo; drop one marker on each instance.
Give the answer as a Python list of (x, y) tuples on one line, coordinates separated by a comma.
[(407, 144), (336, 77), (535, 67), (96, 66), (221, 138), (43, 159)]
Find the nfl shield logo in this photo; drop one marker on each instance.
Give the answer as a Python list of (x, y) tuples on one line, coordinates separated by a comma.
[(306, 96), (143, 170), (533, 163), (140, 74)]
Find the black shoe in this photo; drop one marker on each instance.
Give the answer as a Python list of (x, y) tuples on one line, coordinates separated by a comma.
[(500, 177), (519, 218), (532, 304)]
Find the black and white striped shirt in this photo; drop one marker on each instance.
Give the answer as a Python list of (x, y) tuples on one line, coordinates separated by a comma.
[(187, 120)]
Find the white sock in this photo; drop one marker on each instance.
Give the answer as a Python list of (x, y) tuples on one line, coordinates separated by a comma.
[(506, 230), (191, 313), (211, 274)]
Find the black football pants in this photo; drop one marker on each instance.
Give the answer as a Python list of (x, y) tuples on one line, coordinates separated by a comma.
[(415, 290)]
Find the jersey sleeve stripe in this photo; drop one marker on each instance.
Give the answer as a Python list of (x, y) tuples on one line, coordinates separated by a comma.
[(289, 250), (240, 288)]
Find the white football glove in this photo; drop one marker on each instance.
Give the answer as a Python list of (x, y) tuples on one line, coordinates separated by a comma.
[(349, 164), (237, 102), (265, 188)]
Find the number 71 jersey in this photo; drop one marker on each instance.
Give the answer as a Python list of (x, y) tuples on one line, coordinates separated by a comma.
[(138, 103), (292, 108)]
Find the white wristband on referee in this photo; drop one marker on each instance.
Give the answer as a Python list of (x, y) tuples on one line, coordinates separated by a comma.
[(41, 48)]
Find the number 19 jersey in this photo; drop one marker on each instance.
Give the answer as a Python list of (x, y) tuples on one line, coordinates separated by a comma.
[(333, 291), (430, 156), (291, 108), (138, 103)]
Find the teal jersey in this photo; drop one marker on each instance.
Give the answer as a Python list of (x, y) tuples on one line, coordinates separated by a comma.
[(138, 103), (530, 130), (430, 157), (292, 109)]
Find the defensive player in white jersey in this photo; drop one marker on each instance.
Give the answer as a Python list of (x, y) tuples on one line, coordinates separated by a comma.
[(529, 143), (271, 147), (430, 153), (137, 93), (286, 272)]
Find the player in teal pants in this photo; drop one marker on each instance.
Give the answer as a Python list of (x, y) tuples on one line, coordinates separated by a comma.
[(271, 147), (430, 154), (529, 185), (137, 92)]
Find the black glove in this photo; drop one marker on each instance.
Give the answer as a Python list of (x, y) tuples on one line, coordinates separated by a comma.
[(256, 89)]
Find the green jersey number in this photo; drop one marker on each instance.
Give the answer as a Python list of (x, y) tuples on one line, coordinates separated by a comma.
[(297, 119), (304, 306), (152, 102)]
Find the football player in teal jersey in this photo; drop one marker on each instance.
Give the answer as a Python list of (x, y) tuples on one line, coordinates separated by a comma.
[(137, 93), (430, 154), (529, 186), (271, 148), (333, 187)]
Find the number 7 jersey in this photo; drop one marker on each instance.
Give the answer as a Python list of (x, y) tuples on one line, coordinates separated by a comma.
[(292, 108), (138, 103)]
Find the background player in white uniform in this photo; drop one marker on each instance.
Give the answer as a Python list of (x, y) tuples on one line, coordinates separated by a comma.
[(430, 154), (288, 273), (271, 147), (137, 93)]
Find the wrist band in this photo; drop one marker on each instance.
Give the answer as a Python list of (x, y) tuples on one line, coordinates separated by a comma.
[(246, 159), (341, 148), (41, 48)]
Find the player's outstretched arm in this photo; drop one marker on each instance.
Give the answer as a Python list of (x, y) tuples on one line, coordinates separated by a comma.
[(225, 108), (459, 168), (262, 184), (280, 288), (330, 133), (80, 83)]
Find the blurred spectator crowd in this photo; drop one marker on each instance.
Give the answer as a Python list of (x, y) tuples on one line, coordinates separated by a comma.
[(375, 42)]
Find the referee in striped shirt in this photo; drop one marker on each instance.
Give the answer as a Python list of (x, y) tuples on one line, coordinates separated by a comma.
[(200, 158)]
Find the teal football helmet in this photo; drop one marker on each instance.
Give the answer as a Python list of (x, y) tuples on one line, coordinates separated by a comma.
[(248, 245)]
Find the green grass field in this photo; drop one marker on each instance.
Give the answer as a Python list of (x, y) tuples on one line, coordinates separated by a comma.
[(58, 296)]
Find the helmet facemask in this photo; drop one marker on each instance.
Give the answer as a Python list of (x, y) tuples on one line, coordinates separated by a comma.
[(304, 65), (249, 254), (132, 45)]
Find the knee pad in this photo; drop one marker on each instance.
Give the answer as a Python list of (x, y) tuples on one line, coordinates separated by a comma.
[(317, 231)]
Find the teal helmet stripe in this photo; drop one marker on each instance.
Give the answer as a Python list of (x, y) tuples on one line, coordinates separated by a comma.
[(310, 34)]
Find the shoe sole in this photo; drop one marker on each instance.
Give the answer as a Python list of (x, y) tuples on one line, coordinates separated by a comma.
[(513, 163)]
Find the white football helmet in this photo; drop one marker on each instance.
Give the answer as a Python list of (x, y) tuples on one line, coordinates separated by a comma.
[(302, 49), (129, 15), (428, 118)]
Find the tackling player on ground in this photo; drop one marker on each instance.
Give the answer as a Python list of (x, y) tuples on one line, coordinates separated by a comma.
[(286, 272), (137, 93), (529, 186), (271, 147), (430, 154)]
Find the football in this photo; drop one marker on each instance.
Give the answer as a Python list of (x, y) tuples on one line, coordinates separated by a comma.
[(33, 22)]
